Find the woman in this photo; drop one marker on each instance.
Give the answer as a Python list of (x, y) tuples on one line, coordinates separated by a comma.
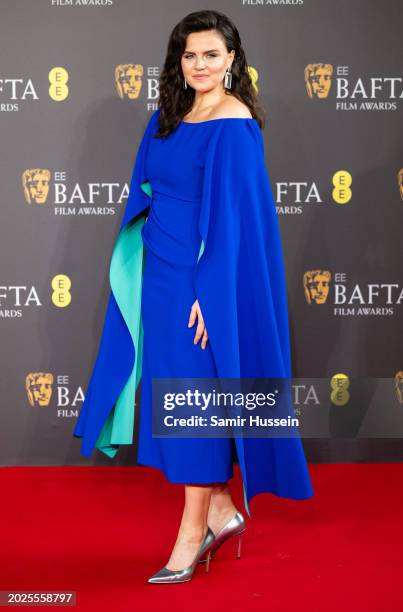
[(197, 289)]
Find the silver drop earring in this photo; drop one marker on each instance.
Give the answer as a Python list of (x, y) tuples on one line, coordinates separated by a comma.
[(227, 79), (185, 85)]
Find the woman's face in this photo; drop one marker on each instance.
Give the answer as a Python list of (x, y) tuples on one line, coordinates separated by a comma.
[(205, 54)]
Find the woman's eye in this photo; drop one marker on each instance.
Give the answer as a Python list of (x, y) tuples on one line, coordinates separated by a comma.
[(208, 55)]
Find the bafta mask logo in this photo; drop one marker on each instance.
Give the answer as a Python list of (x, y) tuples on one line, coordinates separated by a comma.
[(39, 388), (318, 79), (399, 386), (35, 183), (129, 79), (316, 286), (400, 182), (253, 73)]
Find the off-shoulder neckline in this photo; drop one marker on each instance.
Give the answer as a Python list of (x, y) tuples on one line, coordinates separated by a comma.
[(218, 119)]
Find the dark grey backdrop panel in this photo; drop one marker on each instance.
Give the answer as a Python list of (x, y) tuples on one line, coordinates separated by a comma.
[(63, 140)]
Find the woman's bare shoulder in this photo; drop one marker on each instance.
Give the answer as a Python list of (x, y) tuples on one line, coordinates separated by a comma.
[(231, 108)]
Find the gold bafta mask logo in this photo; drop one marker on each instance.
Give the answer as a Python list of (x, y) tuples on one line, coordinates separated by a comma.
[(399, 386), (129, 79), (253, 77), (35, 183), (318, 79), (400, 182), (316, 286), (39, 388)]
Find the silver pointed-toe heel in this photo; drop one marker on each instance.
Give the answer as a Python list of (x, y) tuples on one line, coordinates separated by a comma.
[(235, 527), (166, 575)]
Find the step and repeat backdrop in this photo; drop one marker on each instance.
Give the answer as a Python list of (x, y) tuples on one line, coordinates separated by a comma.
[(79, 81)]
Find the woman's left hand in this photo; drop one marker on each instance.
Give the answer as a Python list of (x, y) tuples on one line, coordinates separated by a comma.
[(201, 328)]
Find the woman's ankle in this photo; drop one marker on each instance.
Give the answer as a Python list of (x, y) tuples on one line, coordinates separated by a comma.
[(221, 503), (192, 533)]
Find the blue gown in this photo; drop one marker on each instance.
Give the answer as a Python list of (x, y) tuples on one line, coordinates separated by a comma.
[(200, 223)]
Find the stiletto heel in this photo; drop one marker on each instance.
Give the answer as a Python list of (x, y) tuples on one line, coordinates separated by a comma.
[(239, 543), (166, 575), (208, 560), (236, 526)]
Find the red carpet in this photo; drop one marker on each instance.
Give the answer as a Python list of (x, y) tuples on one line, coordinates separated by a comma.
[(102, 531)]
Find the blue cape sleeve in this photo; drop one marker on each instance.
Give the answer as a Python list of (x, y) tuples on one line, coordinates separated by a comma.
[(241, 288), (241, 266), (107, 415)]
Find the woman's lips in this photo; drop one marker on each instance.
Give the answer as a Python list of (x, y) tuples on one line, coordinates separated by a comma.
[(200, 76)]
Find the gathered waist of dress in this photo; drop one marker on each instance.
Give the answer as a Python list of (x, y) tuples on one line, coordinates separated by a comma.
[(171, 231), (163, 195)]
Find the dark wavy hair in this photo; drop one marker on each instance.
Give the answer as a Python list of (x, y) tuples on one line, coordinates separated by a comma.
[(174, 100)]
